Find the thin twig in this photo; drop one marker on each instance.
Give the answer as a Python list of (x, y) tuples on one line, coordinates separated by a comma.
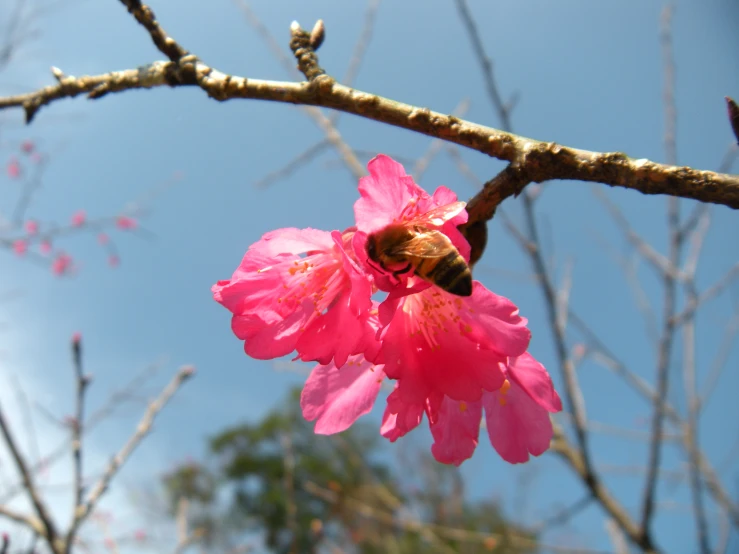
[(82, 381), (119, 459), (436, 145), (293, 165), (669, 284), (48, 527)]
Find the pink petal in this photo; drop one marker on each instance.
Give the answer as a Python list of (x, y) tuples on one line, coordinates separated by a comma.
[(385, 192), (292, 241), (533, 379), (337, 334), (517, 426), (336, 398), (456, 431), (400, 417), (495, 323)]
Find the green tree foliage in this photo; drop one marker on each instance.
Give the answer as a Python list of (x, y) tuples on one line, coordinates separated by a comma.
[(306, 493)]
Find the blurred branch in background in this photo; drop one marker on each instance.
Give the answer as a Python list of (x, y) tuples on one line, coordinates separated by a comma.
[(41, 521)]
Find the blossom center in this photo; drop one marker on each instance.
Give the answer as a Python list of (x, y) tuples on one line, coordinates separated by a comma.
[(432, 313), (317, 277)]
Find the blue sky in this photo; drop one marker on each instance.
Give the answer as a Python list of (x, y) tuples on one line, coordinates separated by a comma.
[(589, 75)]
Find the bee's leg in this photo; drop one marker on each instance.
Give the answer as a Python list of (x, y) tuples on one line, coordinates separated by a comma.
[(402, 271)]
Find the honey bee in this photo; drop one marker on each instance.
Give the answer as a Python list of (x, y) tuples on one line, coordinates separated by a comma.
[(418, 247)]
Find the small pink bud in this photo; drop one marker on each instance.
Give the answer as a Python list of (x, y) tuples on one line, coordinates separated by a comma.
[(103, 238), (27, 146), (113, 260), (36, 157), (31, 227), (78, 218), (14, 168), (126, 223), (140, 535), (19, 247), (76, 337), (61, 264), (45, 247), (109, 543)]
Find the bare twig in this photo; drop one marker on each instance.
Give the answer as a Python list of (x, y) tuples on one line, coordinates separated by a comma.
[(611, 361), (82, 381), (324, 123), (143, 428), (293, 165), (719, 362), (436, 145), (669, 285), (48, 527)]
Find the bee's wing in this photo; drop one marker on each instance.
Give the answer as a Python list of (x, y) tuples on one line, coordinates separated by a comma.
[(428, 244), (442, 214)]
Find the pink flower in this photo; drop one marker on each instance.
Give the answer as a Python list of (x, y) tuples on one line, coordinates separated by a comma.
[(434, 343), (299, 289), (452, 356), (139, 535), (76, 337), (20, 246), (113, 260), (27, 146), (45, 246), (79, 218), (36, 157), (62, 264), (103, 239), (14, 168), (31, 227), (125, 223)]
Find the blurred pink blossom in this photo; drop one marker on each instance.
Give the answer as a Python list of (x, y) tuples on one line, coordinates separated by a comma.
[(103, 238), (31, 227), (27, 146), (20, 246), (13, 168), (62, 264), (126, 223), (113, 260), (139, 535), (45, 247), (76, 337), (78, 218)]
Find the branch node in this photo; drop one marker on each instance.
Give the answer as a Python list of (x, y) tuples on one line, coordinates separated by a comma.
[(304, 50)]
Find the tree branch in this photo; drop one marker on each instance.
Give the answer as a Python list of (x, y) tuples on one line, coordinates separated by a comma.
[(143, 428), (48, 528), (532, 160)]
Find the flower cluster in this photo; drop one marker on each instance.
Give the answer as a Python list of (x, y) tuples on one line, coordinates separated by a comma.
[(310, 292)]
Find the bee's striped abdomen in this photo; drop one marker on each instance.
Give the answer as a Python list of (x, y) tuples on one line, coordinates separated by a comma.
[(450, 273)]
